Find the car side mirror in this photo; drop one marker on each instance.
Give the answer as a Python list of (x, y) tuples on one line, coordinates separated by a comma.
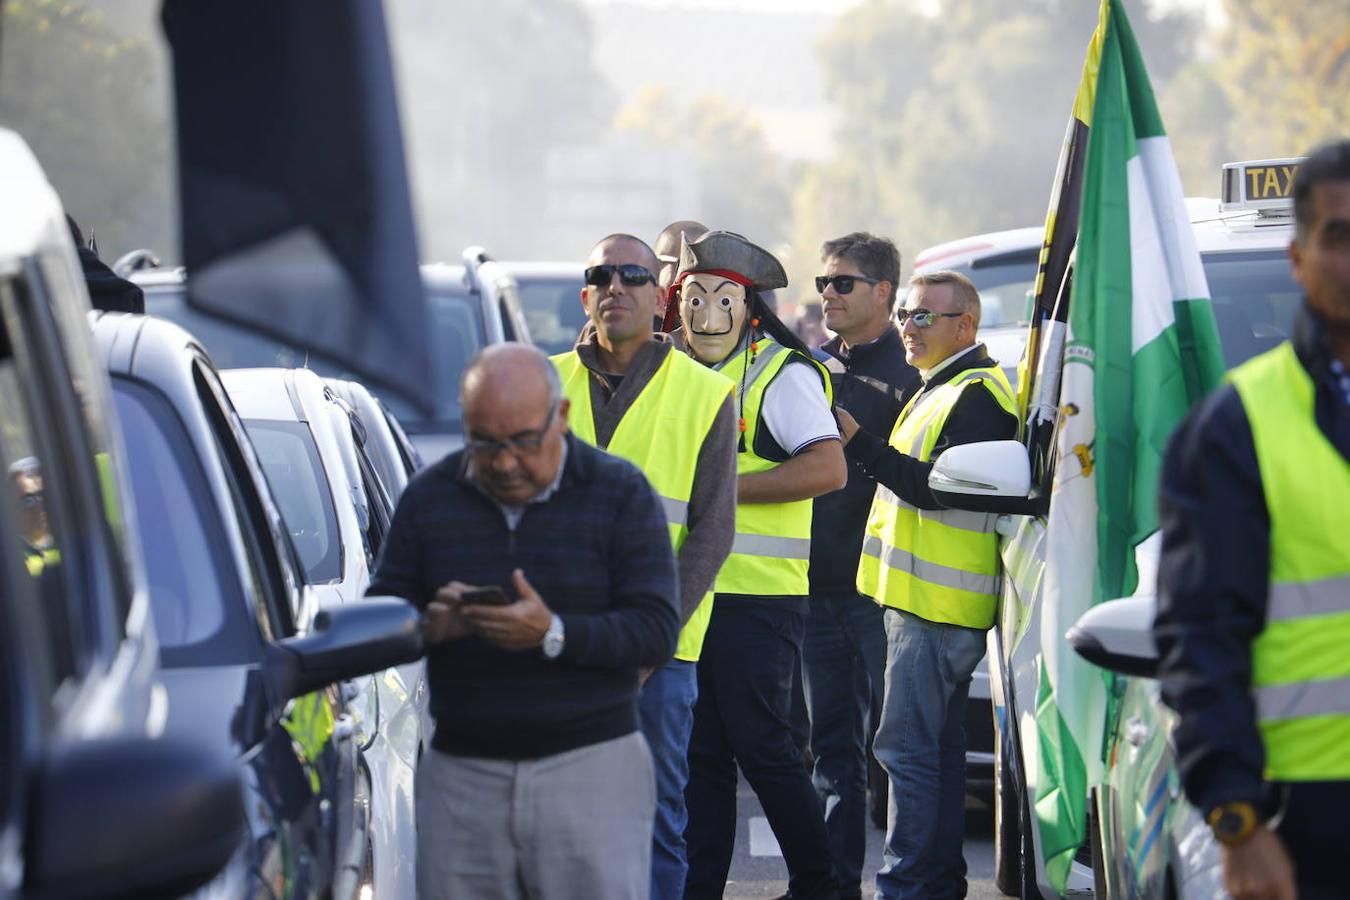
[(1118, 635), (346, 642), (131, 817), (986, 476)]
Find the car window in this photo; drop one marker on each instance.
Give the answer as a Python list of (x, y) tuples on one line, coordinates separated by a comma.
[(195, 597), (275, 573), (295, 472), (553, 311), (458, 333), (36, 489), (1255, 301), (1003, 282)]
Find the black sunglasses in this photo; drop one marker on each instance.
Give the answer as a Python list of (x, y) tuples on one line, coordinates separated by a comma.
[(843, 284), (630, 274)]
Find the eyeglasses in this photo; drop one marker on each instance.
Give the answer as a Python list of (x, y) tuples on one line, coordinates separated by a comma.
[(630, 274), (923, 318), (519, 446), (843, 284)]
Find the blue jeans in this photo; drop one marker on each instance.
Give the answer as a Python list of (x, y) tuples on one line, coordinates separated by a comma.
[(922, 746), (843, 658), (666, 707)]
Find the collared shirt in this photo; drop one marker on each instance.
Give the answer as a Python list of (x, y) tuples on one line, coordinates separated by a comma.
[(514, 511), (929, 374)]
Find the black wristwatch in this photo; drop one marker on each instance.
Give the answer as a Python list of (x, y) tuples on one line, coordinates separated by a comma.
[(1232, 823)]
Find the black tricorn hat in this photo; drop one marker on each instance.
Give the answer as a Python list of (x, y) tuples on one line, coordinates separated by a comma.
[(726, 251)]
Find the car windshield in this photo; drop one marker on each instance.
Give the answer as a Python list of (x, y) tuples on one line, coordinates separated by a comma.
[(552, 311), (457, 327), (199, 609), (296, 476), (1255, 301)]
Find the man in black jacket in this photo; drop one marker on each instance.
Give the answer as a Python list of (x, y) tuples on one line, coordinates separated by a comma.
[(1254, 580), (545, 573), (844, 651)]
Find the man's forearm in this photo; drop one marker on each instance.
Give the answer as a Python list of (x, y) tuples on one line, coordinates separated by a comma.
[(818, 469)]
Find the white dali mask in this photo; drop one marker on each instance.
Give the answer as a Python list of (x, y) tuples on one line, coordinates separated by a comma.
[(713, 310)]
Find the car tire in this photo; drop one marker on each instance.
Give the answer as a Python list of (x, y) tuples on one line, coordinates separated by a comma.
[(1028, 889), (1098, 849), (1007, 824)]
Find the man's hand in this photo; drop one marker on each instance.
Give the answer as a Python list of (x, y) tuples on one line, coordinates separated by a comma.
[(848, 426), (1259, 868), (442, 619), (517, 626)]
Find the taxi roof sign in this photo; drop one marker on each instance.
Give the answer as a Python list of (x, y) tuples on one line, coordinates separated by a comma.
[(1261, 184)]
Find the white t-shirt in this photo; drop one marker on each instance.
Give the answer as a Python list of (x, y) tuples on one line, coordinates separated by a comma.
[(795, 410)]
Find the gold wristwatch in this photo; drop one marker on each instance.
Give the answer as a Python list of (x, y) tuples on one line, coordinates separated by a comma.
[(1232, 823)]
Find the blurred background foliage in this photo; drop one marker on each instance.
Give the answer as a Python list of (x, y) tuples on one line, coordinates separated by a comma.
[(944, 119)]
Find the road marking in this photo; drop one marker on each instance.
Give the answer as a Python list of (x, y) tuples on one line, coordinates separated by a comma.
[(762, 841)]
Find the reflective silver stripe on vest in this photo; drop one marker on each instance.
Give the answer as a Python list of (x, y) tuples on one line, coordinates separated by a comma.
[(933, 573), (677, 511), (1311, 598), (762, 360), (768, 545), (954, 518), (1304, 699)]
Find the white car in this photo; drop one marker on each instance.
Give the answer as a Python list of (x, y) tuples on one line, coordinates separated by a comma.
[(550, 295), (338, 511), (1145, 840)]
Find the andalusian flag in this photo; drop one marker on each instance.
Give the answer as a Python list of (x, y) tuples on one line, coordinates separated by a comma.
[(1141, 347)]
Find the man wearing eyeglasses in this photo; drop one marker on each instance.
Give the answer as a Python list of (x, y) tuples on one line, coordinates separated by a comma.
[(632, 395), (545, 576), (935, 571), (844, 648)]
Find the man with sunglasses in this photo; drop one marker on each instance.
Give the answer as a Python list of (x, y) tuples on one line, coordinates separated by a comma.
[(633, 395), (935, 571), (844, 649), (546, 580)]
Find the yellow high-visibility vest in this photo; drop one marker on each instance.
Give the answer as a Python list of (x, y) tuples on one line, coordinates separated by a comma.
[(1300, 667), (662, 434), (940, 565), (772, 550)]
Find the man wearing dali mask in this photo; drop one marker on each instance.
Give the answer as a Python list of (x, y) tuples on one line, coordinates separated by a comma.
[(789, 453)]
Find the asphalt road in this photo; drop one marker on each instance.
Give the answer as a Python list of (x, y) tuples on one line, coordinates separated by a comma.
[(757, 870)]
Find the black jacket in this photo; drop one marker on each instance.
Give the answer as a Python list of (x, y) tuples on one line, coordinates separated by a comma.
[(873, 387), (597, 551), (977, 416), (1214, 576)]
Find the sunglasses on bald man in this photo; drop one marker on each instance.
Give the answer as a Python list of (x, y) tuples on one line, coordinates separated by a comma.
[(629, 273)]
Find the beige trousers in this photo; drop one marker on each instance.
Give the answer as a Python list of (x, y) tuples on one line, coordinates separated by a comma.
[(575, 825)]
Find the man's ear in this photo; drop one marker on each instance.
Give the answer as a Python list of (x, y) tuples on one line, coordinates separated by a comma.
[(564, 407), (585, 305)]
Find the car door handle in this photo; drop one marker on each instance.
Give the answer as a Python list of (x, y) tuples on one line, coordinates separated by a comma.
[(1136, 732)]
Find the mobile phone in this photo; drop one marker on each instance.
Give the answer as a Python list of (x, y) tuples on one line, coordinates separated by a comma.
[(485, 596)]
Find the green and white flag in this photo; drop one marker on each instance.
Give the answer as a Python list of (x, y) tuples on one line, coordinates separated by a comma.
[(1141, 348)]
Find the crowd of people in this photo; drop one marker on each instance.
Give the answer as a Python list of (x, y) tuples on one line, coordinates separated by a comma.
[(613, 634), (646, 539)]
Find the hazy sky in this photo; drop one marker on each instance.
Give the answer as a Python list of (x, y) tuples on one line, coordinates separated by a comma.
[(833, 6)]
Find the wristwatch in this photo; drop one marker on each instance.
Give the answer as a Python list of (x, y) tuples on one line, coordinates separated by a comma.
[(552, 644), (1232, 823)]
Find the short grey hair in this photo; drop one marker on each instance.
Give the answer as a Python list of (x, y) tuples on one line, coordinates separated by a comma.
[(963, 290)]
